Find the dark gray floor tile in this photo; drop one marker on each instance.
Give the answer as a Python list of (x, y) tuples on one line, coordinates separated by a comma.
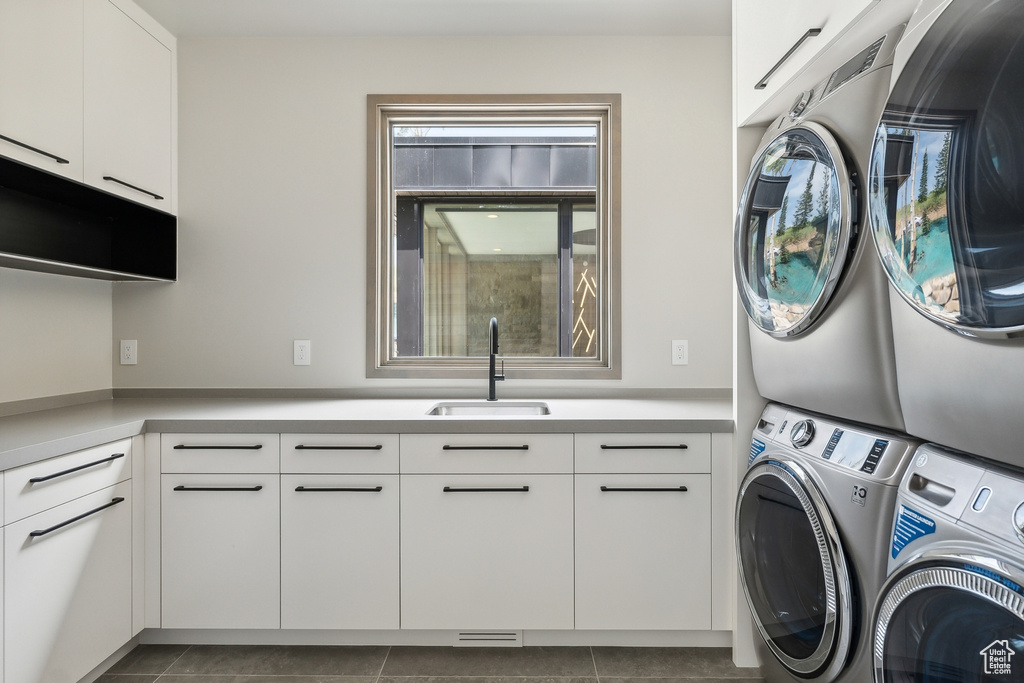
[(668, 662), (148, 659), (548, 662), (487, 679), (701, 679), (128, 678), (279, 660), (202, 678)]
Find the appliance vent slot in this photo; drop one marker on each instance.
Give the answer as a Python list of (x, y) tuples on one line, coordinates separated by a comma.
[(489, 639)]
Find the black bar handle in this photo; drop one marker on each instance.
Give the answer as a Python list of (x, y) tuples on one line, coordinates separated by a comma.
[(447, 447), (218, 488), (101, 461), (59, 160), (317, 489), (763, 83), (42, 532), (645, 447), (375, 447), (154, 195), (199, 447), (459, 489), (677, 489)]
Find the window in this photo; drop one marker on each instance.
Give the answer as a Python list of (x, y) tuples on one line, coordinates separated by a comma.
[(501, 207)]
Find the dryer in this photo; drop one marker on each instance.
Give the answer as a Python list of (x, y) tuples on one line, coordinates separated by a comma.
[(953, 608), (806, 273), (946, 204), (812, 517)]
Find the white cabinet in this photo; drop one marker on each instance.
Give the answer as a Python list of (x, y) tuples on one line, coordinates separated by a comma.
[(487, 531), (67, 586), (763, 33), (220, 531), (128, 111), (643, 532), (339, 551), (339, 531), (41, 84)]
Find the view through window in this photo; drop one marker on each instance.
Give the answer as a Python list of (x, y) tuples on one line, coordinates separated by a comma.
[(481, 211)]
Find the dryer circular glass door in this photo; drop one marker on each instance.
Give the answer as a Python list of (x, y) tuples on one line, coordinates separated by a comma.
[(793, 569), (955, 619), (793, 230), (945, 196)]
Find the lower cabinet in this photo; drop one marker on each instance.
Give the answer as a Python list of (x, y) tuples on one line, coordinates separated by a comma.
[(339, 551), (68, 587), (220, 557), (487, 551), (643, 551)]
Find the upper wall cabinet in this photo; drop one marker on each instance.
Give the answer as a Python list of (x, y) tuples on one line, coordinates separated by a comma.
[(129, 77), (775, 39), (41, 84)]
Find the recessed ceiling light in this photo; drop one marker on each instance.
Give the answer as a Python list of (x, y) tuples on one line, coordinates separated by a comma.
[(497, 249), (492, 215)]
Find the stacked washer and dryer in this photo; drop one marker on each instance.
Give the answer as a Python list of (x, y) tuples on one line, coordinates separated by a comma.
[(927, 340), (946, 201)]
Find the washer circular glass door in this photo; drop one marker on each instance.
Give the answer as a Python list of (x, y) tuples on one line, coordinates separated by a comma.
[(954, 619), (793, 569), (793, 230), (947, 168)]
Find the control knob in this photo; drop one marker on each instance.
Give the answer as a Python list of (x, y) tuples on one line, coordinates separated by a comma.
[(1018, 521), (802, 433)]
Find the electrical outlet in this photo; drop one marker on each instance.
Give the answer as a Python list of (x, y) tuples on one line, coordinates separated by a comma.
[(680, 352), (301, 352), (129, 352)]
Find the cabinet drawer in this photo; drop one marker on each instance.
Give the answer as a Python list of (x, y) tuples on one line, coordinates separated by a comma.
[(339, 453), (224, 453), (486, 453), (42, 485), (640, 453)]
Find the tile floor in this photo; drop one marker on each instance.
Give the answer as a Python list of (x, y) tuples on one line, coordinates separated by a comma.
[(309, 664)]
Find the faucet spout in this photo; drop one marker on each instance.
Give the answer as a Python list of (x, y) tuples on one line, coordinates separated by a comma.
[(493, 376)]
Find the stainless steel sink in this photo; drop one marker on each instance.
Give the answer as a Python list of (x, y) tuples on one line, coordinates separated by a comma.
[(490, 408)]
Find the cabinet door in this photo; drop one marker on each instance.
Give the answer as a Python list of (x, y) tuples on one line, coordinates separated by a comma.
[(765, 30), (41, 73), (128, 100), (220, 557), (487, 551), (643, 551), (339, 551), (68, 587)]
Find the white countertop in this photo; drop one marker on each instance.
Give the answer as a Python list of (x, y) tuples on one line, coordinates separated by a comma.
[(34, 436)]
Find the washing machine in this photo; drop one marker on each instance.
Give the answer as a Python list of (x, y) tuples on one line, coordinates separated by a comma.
[(813, 516), (806, 272), (953, 607), (946, 205)]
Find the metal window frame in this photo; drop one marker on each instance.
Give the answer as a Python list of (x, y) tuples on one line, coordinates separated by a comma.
[(383, 111)]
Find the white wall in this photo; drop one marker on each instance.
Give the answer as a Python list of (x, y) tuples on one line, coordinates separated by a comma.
[(272, 204), (54, 335)]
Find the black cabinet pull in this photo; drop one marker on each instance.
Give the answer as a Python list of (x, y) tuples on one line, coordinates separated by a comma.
[(318, 489), (37, 480), (648, 447), (42, 532), (218, 488), (59, 160), (199, 447), (375, 447), (447, 447), (112, 179), (459, 489), (763, 83), (614, 489)]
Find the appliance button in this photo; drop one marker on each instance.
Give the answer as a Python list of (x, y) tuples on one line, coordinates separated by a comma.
[(803, 433)]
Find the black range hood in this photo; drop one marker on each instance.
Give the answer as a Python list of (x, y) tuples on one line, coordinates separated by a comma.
[(51, 224)]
